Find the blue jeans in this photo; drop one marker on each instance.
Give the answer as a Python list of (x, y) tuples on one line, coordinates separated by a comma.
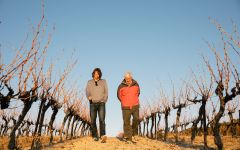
[(97, 108)]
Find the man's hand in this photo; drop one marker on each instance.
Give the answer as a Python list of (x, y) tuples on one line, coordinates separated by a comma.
[(90, 97)]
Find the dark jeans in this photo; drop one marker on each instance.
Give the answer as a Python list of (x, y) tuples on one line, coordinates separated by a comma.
[(97, 108), (130, 130)]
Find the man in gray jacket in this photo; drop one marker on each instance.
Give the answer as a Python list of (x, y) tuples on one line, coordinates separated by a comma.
[(97, 94)]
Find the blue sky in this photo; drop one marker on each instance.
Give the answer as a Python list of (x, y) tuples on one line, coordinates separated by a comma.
[(156, 40)]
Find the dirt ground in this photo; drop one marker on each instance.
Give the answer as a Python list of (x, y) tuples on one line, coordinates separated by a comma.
[(114, 143)]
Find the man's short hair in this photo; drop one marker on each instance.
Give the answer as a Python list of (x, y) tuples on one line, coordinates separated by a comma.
[(128, 74)]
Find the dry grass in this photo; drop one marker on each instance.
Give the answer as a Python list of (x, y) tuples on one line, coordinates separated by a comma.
[(25, 142), (228, 142)]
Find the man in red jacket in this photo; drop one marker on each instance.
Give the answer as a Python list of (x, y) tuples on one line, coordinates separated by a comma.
[(128, 93)]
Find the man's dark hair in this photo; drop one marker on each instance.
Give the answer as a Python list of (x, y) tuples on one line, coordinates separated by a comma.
[(99, 72)]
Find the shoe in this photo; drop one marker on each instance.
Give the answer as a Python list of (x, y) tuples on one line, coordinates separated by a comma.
[(125, 139), (136, 138), (134, 141), (95, 139), (130, 142), (103, 139)]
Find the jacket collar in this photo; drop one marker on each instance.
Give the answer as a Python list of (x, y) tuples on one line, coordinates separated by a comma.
[(133, 82)]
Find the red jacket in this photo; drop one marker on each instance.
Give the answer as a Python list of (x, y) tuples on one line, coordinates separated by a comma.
[(128, 95)]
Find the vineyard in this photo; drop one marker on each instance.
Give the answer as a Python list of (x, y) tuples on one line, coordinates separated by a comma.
[(213, 92)]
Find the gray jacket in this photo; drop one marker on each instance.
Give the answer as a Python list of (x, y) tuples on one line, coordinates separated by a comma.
[(98, 93)]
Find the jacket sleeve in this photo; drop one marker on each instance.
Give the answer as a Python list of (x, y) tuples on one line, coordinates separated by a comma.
[(118, 93), (105, 91), (138, 89), (88, 93), (136, 84)]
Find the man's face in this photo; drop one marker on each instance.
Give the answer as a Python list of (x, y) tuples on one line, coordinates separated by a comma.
[(96, 75), (128, 80)]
